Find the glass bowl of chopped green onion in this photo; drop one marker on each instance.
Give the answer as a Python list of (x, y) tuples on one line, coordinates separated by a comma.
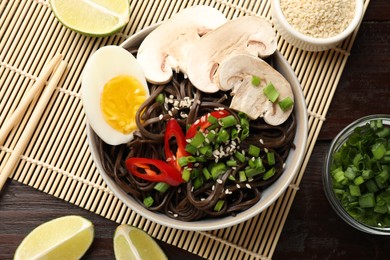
[(356, 174)]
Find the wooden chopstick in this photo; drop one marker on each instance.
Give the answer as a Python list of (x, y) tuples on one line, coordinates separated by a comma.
[(22, 107), (32, 123)]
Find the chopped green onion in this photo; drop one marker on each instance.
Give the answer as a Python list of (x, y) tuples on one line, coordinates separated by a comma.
[(256, 81), (354, 190), (228, 121), (231, 163), (206, 173), (242, 176), (185, 160), (358, 180), (239, 156), (234, 134), (212, 119), (367, 200), (371, 186), (286, 103), (269, 173), (223, 136), (206, 150), (383, 176), (148, 201), (271, 158), (270, 92), (211, 136), (350, 174), (191, 149), (198, 140), (338, 175), (254, 150), (251, 172), (378, 150), (161, 186), (160, 98), (186, 174), (217, 169), (219, 205), (198, 183)]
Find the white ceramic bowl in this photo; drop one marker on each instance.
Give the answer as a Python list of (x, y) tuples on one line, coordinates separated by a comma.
[(308, 43), (272, 193)]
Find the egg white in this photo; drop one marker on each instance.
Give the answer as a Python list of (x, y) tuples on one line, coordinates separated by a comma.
[(105, 64)]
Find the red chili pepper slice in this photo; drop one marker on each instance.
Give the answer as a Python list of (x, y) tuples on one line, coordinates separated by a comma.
[(202, 123), (173, 130), (154, 170)]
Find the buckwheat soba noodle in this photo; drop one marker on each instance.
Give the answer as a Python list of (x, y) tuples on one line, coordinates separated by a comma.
[(190, 201)]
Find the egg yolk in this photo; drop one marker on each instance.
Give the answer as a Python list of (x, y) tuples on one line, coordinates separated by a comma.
[(120, 100)]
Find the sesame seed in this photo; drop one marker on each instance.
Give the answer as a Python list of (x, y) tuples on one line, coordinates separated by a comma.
[(192, 189), (266, 150), (238, 186), (175, 215), (170, 113), (213, 187), (227, 191), (248, 186), (284, 165), (261, 141), (219, 181), (160, 117)]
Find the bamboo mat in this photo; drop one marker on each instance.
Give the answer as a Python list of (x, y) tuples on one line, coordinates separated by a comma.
[(57, 160)]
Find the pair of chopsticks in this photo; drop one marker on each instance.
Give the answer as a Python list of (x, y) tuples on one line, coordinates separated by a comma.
[(56, 66)]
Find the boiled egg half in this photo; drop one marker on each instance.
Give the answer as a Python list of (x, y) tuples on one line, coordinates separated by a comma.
[(113, 87)]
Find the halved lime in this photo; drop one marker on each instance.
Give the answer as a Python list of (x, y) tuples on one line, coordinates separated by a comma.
[(66, 237), (134, 243), (92, 17)]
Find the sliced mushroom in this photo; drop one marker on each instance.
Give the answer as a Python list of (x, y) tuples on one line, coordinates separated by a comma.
[(237, 72), (166, 48), (246, 35)]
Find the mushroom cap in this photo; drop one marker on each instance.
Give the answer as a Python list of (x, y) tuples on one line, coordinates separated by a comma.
[(236, 73), (244, 35), (166, 48)]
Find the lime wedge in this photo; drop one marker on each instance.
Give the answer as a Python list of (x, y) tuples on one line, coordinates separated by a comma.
[(133, 243), (92, 17), (66, 237)]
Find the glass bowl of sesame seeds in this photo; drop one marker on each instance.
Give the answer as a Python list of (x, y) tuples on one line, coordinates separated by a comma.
[(316, 25), (269, 194)]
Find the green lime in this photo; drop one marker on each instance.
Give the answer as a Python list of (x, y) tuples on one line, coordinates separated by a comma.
[(133, 243), (92, 17), (66, 237)]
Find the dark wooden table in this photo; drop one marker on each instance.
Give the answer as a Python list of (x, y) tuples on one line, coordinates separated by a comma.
[(312, 230)]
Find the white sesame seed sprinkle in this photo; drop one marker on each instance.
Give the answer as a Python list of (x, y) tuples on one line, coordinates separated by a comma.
[(248, 186), (219, 181), (238, 186)]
